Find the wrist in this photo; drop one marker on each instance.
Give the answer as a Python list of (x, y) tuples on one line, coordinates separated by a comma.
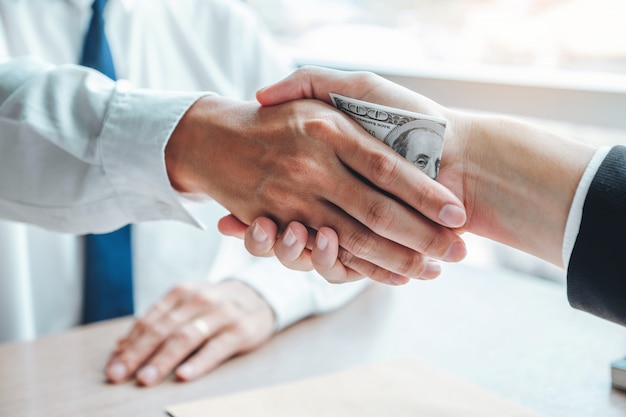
[(184, 150), (524, 180)]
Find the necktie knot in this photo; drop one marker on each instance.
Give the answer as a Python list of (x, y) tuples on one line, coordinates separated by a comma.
[(98, 6), (96, 53)]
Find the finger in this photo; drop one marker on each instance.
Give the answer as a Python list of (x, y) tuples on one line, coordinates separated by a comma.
[(260, 237), (120, 345), (294, 254), (398, 223), (163, 306), (370, 254), (306, 82), (394, 174), (317, 83), (380, 213), (325, 258), (218, 349), (231, 226), (291, 247), (362, 267), (177, 347), (337, 265), (363, 245), (311, 82), (365, 242), (432, 270)]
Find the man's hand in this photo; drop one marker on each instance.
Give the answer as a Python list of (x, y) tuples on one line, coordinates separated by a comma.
[(209, 322), (306, 161)]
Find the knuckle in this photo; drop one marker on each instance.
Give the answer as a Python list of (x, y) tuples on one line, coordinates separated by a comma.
[(157, 331), (280, 195), (431, 244), (379, 274), (307, 170), (151, 329), (426, 196), (186, 335), (345, 257), (361, 244), (142, 324), (367, 78), (385, 167), (206, 299), (411, 265), (348, 260), (175, 317), (320, 126), (380, 216), (364, 269), (180, 290), (306, 69)]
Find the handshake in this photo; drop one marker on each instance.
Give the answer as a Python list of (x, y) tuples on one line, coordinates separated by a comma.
[(312, 187)]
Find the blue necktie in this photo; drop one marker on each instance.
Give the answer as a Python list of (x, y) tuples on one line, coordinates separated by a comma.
[(108, 283)]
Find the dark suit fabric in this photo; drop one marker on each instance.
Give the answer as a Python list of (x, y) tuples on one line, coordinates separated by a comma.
[(596, 277)]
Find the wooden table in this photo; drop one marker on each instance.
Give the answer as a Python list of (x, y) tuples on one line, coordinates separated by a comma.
[(510, 334)]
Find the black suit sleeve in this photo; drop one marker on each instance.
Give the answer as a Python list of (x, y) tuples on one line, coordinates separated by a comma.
[(596, 277)]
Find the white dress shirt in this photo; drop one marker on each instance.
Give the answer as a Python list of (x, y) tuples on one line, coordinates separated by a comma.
[(80, 153)]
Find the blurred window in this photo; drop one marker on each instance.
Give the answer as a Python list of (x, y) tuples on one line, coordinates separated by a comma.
[(579, 35)]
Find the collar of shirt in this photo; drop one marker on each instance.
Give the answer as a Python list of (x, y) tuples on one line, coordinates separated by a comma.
[(85, 4), (80, 4)]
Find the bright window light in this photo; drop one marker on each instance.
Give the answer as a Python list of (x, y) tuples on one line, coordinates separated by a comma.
[(406, 35)]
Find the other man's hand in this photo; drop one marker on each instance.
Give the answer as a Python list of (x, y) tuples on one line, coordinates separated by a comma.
[(191, 331)]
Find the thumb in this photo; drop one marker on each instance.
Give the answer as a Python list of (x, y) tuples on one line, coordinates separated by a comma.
[(306, 82), (231, 226)]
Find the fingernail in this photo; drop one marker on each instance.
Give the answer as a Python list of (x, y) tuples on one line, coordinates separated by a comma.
[(321, 242), (289, 239), (117, 371), (432, 270), (452, 216), (148, 375), (456, 252), (186, 371), (258, 234), (398, 279)]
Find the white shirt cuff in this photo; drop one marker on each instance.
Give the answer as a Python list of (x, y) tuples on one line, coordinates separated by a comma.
[(576, 210), (136, 130)]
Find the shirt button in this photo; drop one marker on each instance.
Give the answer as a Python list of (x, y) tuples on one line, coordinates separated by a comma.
[(164, 208)]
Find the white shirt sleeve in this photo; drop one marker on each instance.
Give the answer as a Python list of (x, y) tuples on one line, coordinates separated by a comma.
[(80, 153), (576, 210), (294, 295)]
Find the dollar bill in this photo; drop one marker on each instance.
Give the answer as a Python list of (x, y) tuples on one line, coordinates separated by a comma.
[(415, 136)]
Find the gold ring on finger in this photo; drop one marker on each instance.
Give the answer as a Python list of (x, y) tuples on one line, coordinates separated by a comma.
[(202, 327)]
